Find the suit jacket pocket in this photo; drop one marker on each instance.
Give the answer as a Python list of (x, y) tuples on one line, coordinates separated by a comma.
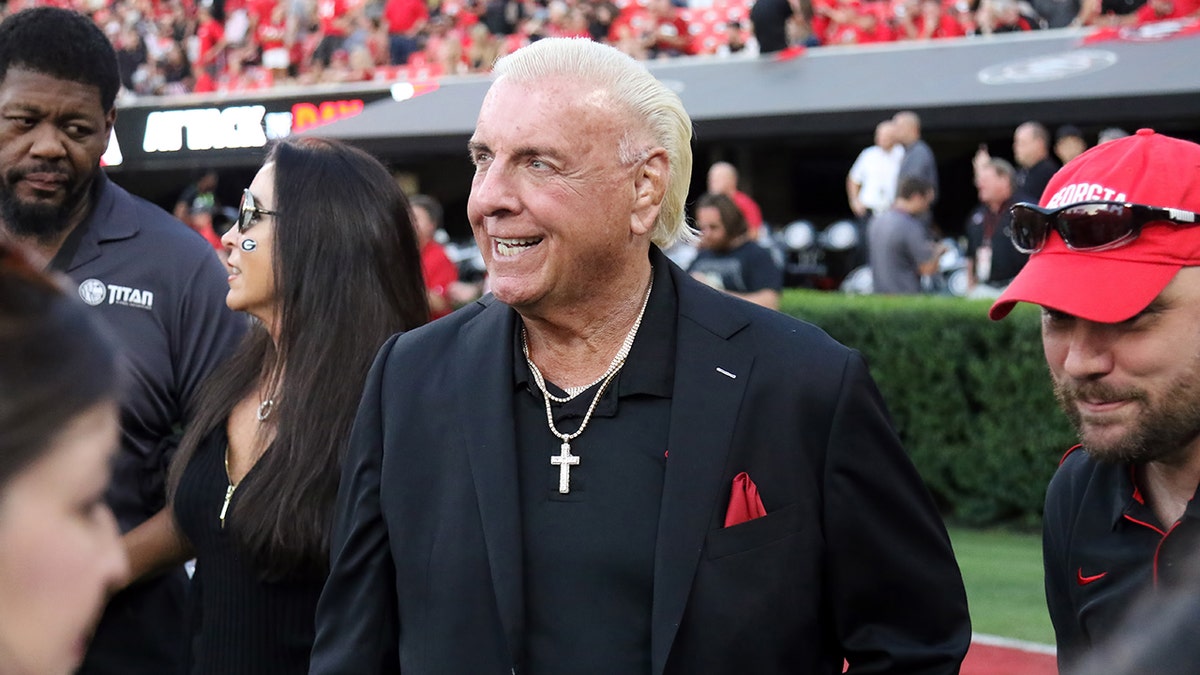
[(753, 533)]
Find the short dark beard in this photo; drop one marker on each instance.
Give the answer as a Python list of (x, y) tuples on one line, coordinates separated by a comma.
[(44, 224), (1162, 433), (729, 243)]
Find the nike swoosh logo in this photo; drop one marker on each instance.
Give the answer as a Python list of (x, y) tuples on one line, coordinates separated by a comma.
[(1084, 581)]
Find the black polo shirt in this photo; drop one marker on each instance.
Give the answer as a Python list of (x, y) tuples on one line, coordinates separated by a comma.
[(589, 554), (1104, 549), (1029, 183), (993, 229), (160, 289)]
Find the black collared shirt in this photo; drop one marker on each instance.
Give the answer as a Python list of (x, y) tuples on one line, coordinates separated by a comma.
[(589, 554), (1104, 548), (993, 229), (160, 289)]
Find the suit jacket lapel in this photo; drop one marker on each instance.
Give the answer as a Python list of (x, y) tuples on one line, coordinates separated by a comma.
[(484, 374), (704, 406)]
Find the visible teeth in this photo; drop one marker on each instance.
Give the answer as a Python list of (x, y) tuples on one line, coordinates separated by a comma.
[(514, 246)]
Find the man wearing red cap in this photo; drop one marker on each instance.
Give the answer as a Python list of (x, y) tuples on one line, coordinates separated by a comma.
[(1115, 266)]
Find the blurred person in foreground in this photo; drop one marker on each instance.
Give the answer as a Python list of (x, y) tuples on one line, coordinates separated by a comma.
[(324, 257), (1157, 635), (155, 283), (58, 433), (729, 260), (1115, 266), (662, 479)]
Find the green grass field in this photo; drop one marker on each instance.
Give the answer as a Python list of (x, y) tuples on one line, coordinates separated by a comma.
[(1003, 574)]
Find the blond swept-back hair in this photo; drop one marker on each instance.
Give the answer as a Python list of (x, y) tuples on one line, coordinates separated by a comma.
[(649, 101)]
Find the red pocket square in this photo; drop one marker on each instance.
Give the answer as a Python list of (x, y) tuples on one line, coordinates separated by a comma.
[(744, 502)]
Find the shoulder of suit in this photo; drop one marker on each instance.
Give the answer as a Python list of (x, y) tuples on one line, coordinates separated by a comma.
[(771, 331), (442, 334)]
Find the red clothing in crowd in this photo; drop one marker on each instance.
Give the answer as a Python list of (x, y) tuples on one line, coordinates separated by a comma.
[(260, 10), (749, 209), (946, 27), (638, 21), (270, 35), (1161, 10), (402, 15), (674, 26), (439, 273), (209, 34), (210, 235), (820, 21), (855, 34), (329, 12)]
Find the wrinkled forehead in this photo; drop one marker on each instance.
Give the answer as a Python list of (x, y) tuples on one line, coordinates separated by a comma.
[(554, 94), (554, 110)]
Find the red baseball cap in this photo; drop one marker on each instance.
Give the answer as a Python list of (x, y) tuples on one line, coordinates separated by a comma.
[(1113, 285)]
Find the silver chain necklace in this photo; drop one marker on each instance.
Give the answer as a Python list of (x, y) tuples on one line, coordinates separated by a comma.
[(565, 460)]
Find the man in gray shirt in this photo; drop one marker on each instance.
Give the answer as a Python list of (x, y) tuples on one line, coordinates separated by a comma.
[(900, 249), (918, 156)]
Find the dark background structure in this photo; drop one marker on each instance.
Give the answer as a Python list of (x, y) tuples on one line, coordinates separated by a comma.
[(793, 126)]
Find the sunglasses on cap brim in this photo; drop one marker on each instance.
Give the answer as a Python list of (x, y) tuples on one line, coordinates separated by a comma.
[(1089, 226)]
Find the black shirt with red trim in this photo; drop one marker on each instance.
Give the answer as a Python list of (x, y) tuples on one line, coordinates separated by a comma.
[(1103, 549)]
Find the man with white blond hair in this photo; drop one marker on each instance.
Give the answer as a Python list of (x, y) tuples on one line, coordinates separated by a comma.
[(1115, 266), (608, 467)]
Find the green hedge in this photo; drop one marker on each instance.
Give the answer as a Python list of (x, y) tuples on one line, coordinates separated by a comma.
[(970, 397)]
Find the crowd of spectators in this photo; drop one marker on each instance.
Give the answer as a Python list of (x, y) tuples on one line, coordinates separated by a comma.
[(178, 46)]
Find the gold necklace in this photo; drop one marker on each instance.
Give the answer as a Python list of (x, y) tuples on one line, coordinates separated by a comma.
[(565, 460)]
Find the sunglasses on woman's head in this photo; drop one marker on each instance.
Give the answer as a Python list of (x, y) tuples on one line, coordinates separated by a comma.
[(248, 211), (1089, 226)]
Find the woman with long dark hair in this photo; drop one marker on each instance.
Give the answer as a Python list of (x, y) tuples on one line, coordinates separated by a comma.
[(324, 257), (60, 553)]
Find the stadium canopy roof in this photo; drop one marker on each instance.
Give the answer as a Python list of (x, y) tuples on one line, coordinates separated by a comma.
[(1083, 77), (1001, 81)]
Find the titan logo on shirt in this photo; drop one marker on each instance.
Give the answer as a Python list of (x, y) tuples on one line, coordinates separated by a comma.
[(95, 292)]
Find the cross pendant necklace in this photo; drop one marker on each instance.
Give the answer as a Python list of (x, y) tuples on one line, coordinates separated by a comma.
[(564, 462)]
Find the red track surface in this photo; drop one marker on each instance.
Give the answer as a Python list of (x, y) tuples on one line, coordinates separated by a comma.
[(992, 660)]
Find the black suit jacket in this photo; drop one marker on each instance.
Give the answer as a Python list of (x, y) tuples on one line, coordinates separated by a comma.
[(851, 561)]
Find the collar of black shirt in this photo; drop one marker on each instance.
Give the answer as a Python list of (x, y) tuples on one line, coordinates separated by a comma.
[(650, 367)]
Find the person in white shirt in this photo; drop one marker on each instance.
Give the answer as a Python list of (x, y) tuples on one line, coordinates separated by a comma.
[(871, 183)]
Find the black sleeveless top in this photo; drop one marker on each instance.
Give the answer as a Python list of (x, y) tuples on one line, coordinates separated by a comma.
[(239, 623)]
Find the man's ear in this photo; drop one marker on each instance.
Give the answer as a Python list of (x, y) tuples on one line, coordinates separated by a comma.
[(110, 119), (649, 188)]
